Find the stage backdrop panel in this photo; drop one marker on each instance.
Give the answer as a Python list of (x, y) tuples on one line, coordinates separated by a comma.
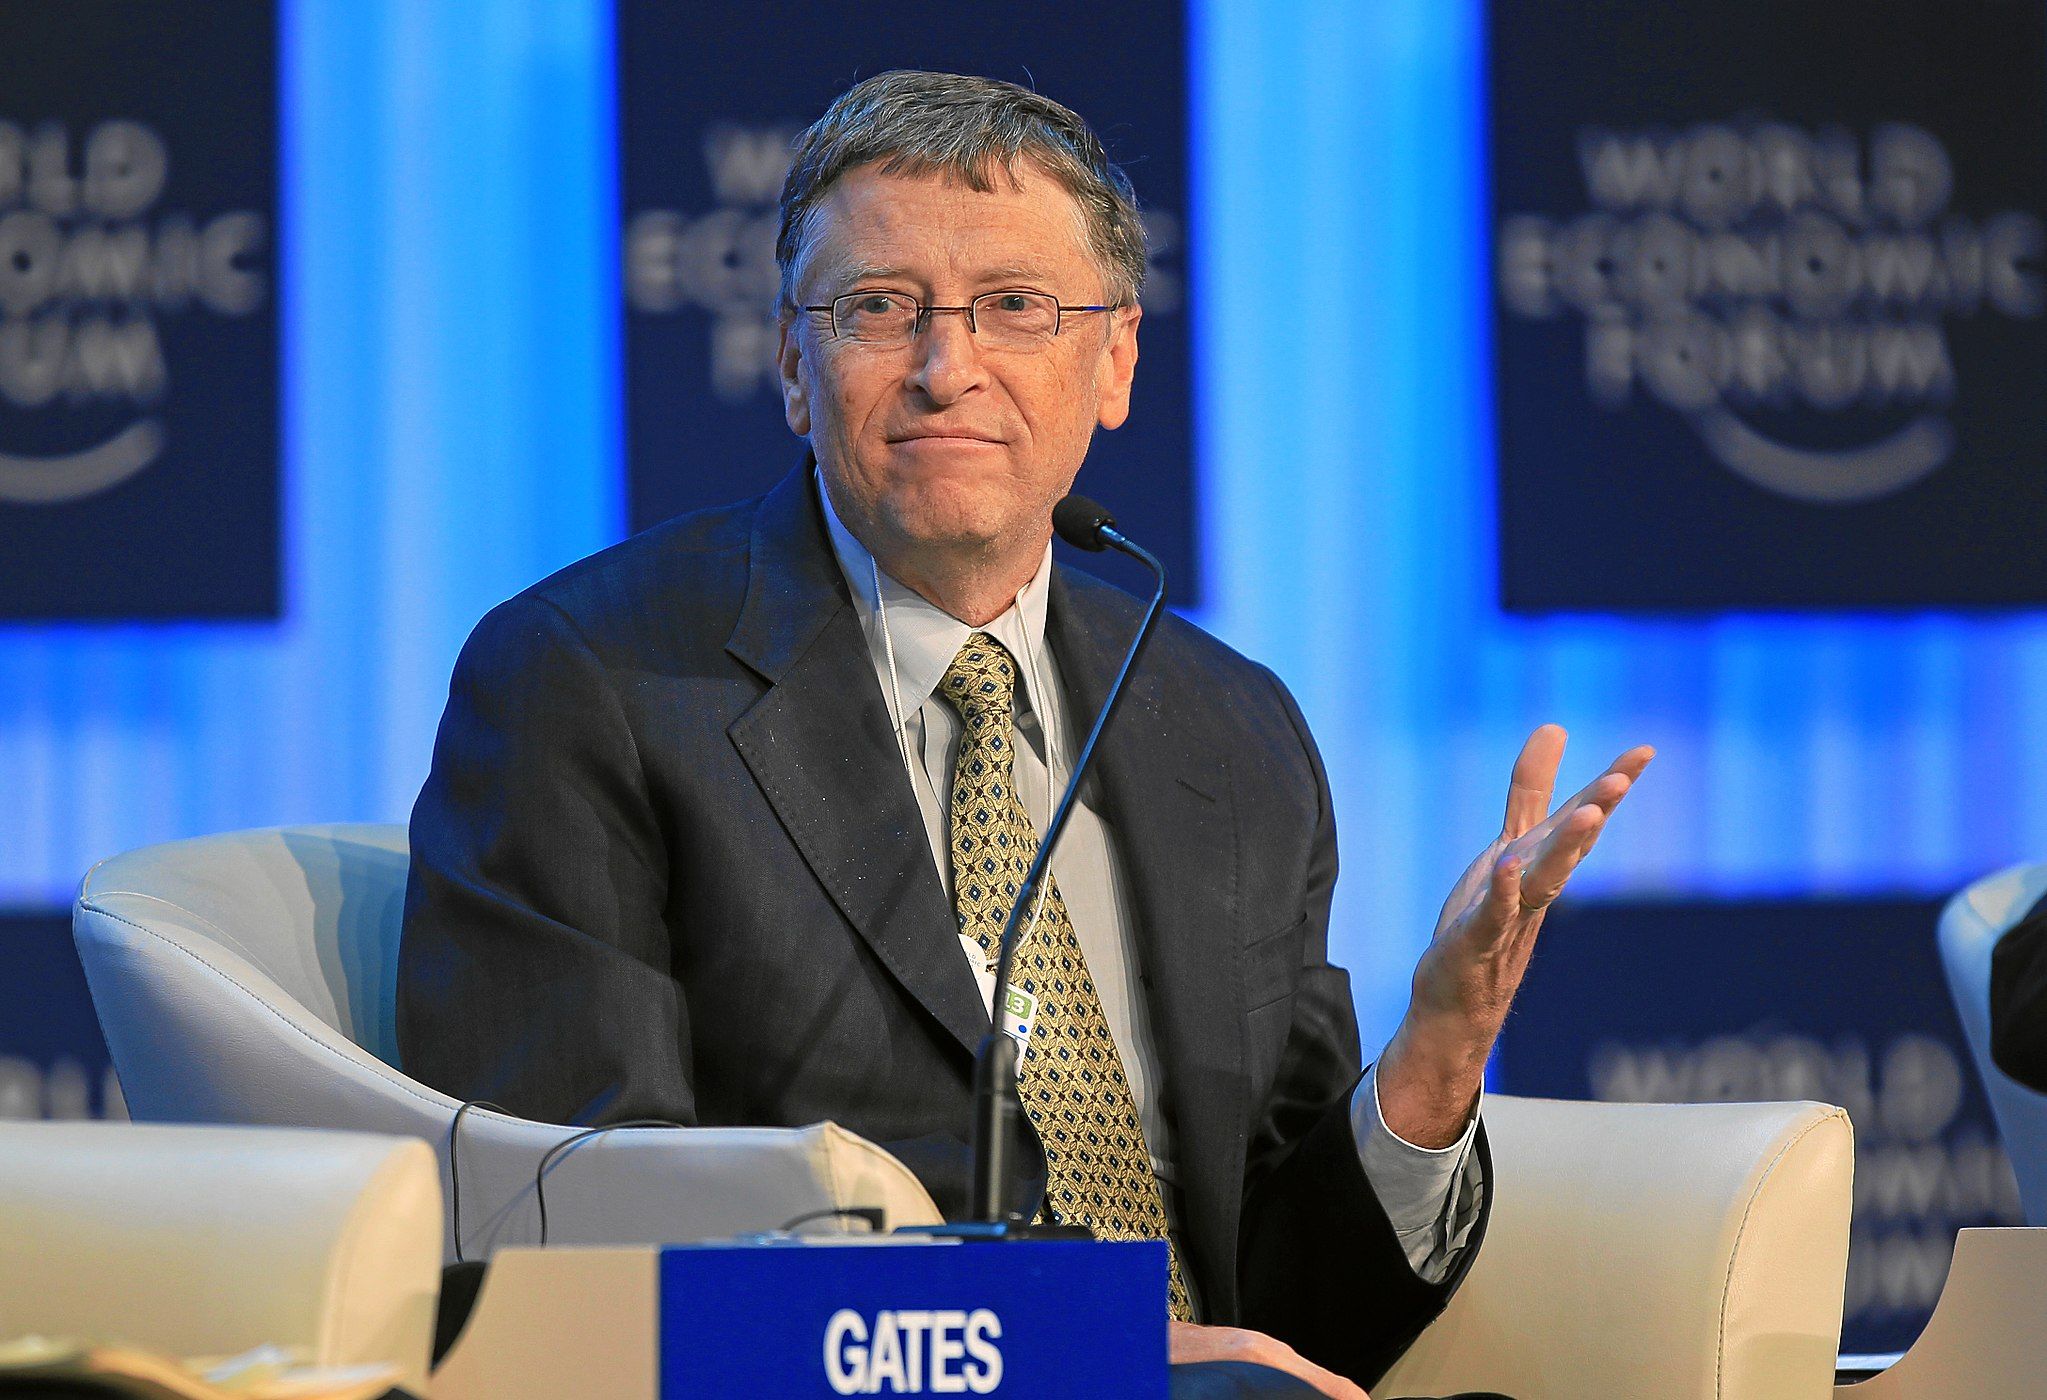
[(138, 315), (1768, 303), (53, 1062), (709, 99), (1842, 1001)]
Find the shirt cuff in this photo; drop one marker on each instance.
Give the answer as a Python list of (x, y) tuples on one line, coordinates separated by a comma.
[(1430, 1195)]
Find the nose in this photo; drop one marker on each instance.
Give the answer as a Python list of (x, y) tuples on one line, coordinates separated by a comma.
[(946, 358)]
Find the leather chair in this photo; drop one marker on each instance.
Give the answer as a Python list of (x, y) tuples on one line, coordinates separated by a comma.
[(1675, 1251), (212, 1241), (1970, 926), (251, 978), (1682, 1251)]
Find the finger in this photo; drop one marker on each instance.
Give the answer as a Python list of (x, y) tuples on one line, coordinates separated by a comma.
[(1590, 842), (1534, 780), (1609, 787), (1328, 1382), (1551, 847), (1332, 1385), (1502, 902), (1548, 870), (1601, 795), (1604, 791)]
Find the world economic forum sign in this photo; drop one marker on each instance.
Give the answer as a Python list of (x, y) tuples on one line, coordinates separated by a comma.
[(1769, 304), (138, 341)]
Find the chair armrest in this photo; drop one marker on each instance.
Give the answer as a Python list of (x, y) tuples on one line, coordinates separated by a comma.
[(1674, 1250), (210, 1241), (670, 1185)]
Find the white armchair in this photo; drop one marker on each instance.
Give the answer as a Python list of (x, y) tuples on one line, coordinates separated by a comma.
[(211, 1241), (1681, 1251), (1970, 926), (251, 978)]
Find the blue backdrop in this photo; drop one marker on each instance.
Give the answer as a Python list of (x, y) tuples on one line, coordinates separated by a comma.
[(450, 409), (449, 431)]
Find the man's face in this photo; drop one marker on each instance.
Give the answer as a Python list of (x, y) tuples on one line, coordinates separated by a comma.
[(944, 442)]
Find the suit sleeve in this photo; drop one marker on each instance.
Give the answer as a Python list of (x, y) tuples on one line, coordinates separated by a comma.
[(534, 970), (1320, 1265), (2018, 1000)]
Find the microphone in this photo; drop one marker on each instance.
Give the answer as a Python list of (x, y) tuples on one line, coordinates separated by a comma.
[(1080, 522), (1085, 525)]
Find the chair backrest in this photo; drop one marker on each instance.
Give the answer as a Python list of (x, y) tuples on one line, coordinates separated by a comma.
[(1970, 926), (318, 909)]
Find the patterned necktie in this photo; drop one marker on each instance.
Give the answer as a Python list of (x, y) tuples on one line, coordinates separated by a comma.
[(1071, 1080)]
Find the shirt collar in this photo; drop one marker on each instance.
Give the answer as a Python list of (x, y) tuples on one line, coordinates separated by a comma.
[(927, 637)]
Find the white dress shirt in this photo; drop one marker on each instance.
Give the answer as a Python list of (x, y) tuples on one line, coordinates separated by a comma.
[(1430, 1196)]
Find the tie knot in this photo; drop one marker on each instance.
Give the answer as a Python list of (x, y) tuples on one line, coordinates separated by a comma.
[(981, 680)]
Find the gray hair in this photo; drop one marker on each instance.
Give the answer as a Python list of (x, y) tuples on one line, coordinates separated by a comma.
[(965, 128)]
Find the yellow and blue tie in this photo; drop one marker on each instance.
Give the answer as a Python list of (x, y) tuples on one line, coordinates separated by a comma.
[(1071, 1079)]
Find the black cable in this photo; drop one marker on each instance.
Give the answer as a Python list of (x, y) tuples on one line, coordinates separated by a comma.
[(455, 1171), (875, 1216), (540, 1172)]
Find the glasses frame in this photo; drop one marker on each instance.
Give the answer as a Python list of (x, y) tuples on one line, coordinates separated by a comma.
[(925, 311)]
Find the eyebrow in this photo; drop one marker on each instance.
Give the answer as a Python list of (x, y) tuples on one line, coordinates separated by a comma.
[(1017, 273), (991, 278)]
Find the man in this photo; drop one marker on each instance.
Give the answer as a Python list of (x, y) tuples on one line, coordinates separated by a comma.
[(721, 819)]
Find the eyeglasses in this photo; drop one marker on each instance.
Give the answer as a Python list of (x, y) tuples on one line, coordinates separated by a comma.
[(1008, 320)]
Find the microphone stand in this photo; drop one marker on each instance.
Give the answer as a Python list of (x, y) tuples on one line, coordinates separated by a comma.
[(997, 1111)]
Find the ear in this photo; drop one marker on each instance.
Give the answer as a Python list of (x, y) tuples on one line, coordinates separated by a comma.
[(1113, 406), (789, 360)]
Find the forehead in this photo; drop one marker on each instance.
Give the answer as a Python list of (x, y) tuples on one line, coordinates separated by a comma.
[(937, 231)]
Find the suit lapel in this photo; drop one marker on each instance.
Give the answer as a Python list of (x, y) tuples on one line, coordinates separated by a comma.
[(1165, 791), (820, 746)]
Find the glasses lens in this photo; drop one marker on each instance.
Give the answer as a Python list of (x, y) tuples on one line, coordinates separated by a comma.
[(882, 317), (1016, 318)]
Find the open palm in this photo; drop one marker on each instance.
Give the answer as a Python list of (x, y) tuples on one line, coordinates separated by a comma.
[(1467, 977)]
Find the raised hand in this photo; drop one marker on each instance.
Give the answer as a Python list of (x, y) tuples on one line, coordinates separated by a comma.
[(1465, 982)]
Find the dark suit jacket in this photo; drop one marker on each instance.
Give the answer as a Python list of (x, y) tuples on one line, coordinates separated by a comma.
[(668, 865), (2018, 1000)]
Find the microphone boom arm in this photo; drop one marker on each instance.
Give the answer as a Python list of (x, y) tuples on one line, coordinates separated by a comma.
[(995, 1067)]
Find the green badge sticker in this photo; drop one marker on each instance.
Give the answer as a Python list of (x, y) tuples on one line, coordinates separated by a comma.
[(1019, 1010)]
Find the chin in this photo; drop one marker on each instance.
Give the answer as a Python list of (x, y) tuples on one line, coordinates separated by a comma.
[(953, 513)]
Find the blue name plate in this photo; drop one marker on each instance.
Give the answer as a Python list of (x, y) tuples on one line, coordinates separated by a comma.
[(1050, 1317)]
